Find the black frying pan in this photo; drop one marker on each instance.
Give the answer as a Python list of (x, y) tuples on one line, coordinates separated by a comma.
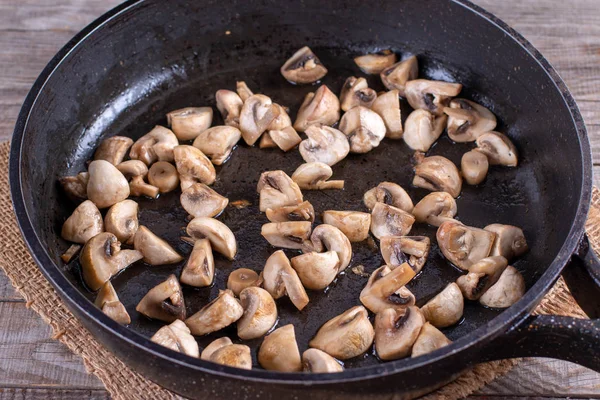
[(126, 70)]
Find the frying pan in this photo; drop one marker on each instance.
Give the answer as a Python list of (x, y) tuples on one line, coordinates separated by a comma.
[(122, 73)]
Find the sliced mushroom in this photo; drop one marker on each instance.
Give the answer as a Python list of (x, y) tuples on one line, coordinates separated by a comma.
[(138, 187), (364, 127), (388, 220), (303, 67), (216, 315), (214, 346), (498, 148), (388, 193), (507, 291), (446, 308), (234, 355), (277, 189), (71, 252), (193, 166), (75, 187), (188, 123), (319, 362), (83, 224), (467, 120), (397, 75), (464, 245), (387, 105), (241, 279), (102, 258), (354, 224), (319, 108), (243, 90), (155, 250), (164, 301), (218, 142), (375, 63), (108, 301), (329, 238), (396, 331), (482, 275), (432, 96), (397, 250), (266, 142), (356, 92), (220, 236), (314, 176), (257, 114), (474, 166), (324, 144), (113, 149), (422, 129), (106, 185), (300, 212), (289, 235), (164, 176), (385, 289), (200, 200), (177, 337), (279, 278), (131, 168), (199, 271), (286, 138), (156, 145), (435, 208), (279, 351), (229, 105), (316, 270), (430, 339), (510, 241), (438, 174), (348, 335), (260, 313), (281, 121), (122, 220)]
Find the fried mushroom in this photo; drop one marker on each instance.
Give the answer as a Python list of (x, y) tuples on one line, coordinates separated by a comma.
[(397, 250), (216, 315), (385, 288), (243, 90), (464, 245), (482, 275), (156, 145), (85, 223), (387, 105), (376, 62), (108, 301), (75, 187), (289, 235), (106, 185), (319, 108), (356, 92), (286, 138), (329, 238), (314, 176), (218, 142), (258, 112), (193, 166), (510, 241), (279, 279), (438, 174), (364, 128), (260, 313), (300, 212), (122, 220), (430, 339), (319, 362), (435, 208), (241, 279), (388, 220), (177, 337), (279, 351), (507, 291), (354, 224), (432, 96), (446, 308), (220, 236), (156, 251), (422, 129), (187, 123), (388, 193), (277, 189), (113, 149), (396, 331), (199, 270), (235, 355), (214, 346), (324, 144), (498, 148), (229, 105), (468, 120), (397, 75), (200, 200), (303, 67), (474, 167), (316, 270), (164, 176), (164, 301)]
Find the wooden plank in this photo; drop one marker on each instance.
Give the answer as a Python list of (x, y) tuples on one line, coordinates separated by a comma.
[(7, 292), (55, 394)]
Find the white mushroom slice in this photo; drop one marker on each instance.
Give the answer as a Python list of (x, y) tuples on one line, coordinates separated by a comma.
[(75, 187), (266, 142), (510, 241), (286, 138), (348, 335), (257, 114), (435, 208), (122, 220), (156, 145), (364, 128), (388, 220), (397, 75), (289, 235), (356, 92), (468, 120), (422, 129), (279, 351), (397, 250), (319, 362), (200, 200), (71, 252), (430, 339), (102, 258), (482, 275), (229, 105), (164, 176), (155, 250), (188, 123), (474, 166), (314, 176), (319, 108), (220, 236), (316, 270), (113, 149), (303, 67), (218, 142), (498, 148), (324, 144), (106, 185), (214, 346), (279, 278), (300, 212), (241, 279), (137, 187), (329, 238), (243, 90), (438, 174), (216, 315), (354, 224), (260, 313), (446, 308), (432, 96), (387, 105), (108, 301), (463, 245), (131, 168), (396, 331), (83, 224), (375, 63), (388, 193), (193, 166), (277, 189), (164, 301), (177, 337), (199, 271), (507, 291), (281, 121), (383, 289), (234, 355)]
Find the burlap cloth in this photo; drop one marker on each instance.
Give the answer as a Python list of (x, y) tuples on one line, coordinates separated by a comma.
[(124, 383)]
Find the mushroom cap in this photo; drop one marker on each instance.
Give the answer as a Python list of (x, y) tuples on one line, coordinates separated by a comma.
[(346, 336), (200, 200), (234, 355), (422, 129), (510, 241), (164, 176), (438, 174), (388, 193), (464, 245), (122, 220), (319, 362), (199, 270), (218, 142), (299, 212), (243, 90), (286, 138), (474, 167), (316, 270), (164, 301), (279, 351), (106, 185), (303, 67), (396, 331), (498, 148), (220, 236), (277, 189), (329, 238), (260, 313), (396, 250), (216, 315), (193, 166), (446, 308), (364, 127), (482, 275), (388, 220), (280, 278), (187, 123), (289, 235), (387, 105), (113, 149), (430, 339), (324, 144), (509, 288), (108, 301), (356, 92), (132, 168), (432, 96), (383, 289), (397, 75), (214, 346), (177, 337), (354, 225), (320, 107), (467, 120), (158, 144), (83, 224), (258, 112), (241, 279), (229, 105), (75, 187), (375, 63), (315, 175), (435, 208), (156, 251)]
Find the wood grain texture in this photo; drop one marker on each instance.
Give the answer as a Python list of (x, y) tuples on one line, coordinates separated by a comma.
[(54, 394)]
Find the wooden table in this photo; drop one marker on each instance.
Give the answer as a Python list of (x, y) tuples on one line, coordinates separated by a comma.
[(32, 365)]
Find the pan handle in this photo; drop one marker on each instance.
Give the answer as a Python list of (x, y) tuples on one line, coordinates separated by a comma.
[(582, 275)]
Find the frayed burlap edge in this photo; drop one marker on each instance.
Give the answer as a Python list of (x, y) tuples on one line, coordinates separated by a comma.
[(123, 383)]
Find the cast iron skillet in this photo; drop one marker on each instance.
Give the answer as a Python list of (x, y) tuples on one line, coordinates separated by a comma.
[(146, 57)]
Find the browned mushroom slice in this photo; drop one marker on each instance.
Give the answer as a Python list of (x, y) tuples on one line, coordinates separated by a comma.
[(214, 346), (387, 105), (397, 250), (300, 212), (289, 235), (510, 241), (106, 185), (356, 92), (348, 335), (397, 75), (75, 187), (201, 201), (482, 275), (188, 123), (218, 142), (260, 313), (220, 236), (135, 171), (241, 279), (375, 63), (464, 245), (383, 290), (108, 301), (396, 331), (303, 67), (277, 189), (266, 142), (474, 166), (446, 308), (279, 351), (155, 250), (164, 301), (131, 168), (316, 270), (329, 238), (156, 145), (257, 114), (467, 120), (234, 355), (320, 107), (102, 258), (122, 220), (243, 90), (435, 208), (324, 144), (432, 96), (387, 220), (422, 129), (216, 315), (193, 166), (229, 105), (113, 149), (354, 224), (388, 193), (364, 127), (314, 176), (177, 337), (279, 278), (85, 223), (430, 339), (319, 362), (507, 291), (199, 271), (498, 148), (438, 174), (282, 119), (164, 176), (71, 252), (286, 138)]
